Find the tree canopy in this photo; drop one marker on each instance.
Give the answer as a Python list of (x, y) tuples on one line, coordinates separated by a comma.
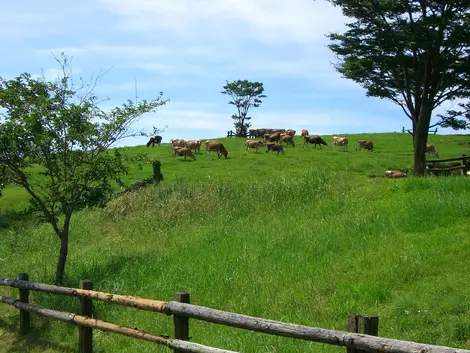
[(245, 95), (413, 53), (59, 131)]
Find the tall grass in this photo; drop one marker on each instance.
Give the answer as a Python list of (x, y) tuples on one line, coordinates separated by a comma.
[(307, 247)]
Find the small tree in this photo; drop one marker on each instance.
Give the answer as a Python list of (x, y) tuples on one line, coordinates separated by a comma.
[(244, 94), (413, 53), (54, 143)]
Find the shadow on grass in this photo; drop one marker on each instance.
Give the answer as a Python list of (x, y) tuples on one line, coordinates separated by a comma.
[(33, 340), (102, 273)]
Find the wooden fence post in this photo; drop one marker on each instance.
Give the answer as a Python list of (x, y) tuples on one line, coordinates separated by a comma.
[(25, 323), (465, 165), (362, 324), (85, 334), (181, 323)]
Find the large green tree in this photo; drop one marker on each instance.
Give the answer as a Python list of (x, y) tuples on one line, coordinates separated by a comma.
[(54, 143), (245, 94), (414, 53)]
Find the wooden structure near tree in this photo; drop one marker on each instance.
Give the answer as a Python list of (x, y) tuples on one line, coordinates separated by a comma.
[(436, 166), (362, 338)]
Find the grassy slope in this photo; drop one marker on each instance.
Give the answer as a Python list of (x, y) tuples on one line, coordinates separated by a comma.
[(304, 238)]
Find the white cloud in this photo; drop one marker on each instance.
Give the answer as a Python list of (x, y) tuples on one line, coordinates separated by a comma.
[(298, 21)]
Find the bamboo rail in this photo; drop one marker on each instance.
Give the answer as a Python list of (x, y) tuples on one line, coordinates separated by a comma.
[(349, 340), (124, 300), (84, 321)]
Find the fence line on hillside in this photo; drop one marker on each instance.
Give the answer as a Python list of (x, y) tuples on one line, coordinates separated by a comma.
[(362, 337), (410, 131), (433, 165)]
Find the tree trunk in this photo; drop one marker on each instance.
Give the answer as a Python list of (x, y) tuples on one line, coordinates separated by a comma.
[(420, 138), (241, 128), (64, 249)]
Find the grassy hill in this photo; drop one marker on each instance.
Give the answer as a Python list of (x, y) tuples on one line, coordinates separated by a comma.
[(306, 238)]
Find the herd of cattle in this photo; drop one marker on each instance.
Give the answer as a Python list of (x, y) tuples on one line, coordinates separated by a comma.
[(274, 140)]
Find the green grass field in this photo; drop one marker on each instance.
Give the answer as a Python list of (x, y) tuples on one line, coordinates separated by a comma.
[(305, 238)]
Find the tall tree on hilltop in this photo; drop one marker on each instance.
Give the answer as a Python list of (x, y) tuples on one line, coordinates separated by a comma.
[(54, 143), (414, 53), (245, 94)]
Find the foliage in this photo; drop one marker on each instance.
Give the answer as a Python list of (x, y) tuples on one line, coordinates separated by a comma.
[(245, 94), (413, 53), (450, 118), (62, 129)]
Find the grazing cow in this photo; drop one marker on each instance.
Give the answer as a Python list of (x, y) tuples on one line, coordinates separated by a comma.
[(304, 133), (291, 132), (274, 147), (253, 144), (431, 150), (274, 137), (315, 140), (155, 140), (340, 141), (183, 151), (366, 144), (395, 174), (288, 139), (193, 145), (212, 145)]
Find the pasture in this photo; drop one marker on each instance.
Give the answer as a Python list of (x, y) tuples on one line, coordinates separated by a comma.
[(306, 237)]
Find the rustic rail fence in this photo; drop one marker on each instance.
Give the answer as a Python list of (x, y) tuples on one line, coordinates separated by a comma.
[(361, 338), (410, 131), (462, 164)]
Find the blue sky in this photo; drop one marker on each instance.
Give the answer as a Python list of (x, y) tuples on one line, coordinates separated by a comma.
[(188, 49)]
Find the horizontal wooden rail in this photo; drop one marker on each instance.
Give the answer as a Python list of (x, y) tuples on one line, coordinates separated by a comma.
[(84, 321), (448, 159), (124, 300), (338, 338), (446, 169)]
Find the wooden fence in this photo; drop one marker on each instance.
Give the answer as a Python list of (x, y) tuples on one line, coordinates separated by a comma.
[(462, 164), (410, 131), (362, 337)]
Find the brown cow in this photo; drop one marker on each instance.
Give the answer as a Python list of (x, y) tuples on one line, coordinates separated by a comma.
[(253, 144), (395, 174), (275, 137), (366, 144), (314, 139), (177, 143), (183, 151), (304, 133), (340, 141), (288, 139), (291, 132), (431, 150), (213, 145), (193, 145), (274, 147)]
